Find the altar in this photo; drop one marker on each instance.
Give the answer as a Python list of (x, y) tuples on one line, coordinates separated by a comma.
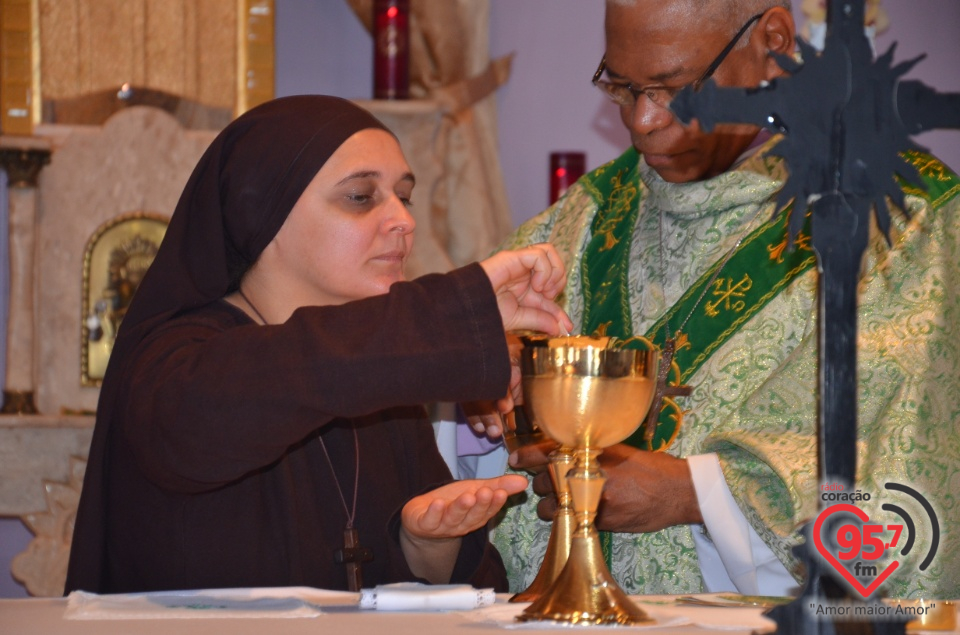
[(338, 613)]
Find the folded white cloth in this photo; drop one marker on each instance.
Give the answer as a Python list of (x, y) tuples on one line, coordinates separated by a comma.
[(414, 596), (193, 604)]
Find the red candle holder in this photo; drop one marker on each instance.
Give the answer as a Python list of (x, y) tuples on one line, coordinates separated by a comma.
[(391, 49), (565, 169)]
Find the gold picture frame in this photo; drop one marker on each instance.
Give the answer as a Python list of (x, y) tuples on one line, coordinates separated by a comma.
[(114, 261)]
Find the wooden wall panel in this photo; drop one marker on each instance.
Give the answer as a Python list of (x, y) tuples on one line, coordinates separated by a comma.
[(184, 47), (216, 46)]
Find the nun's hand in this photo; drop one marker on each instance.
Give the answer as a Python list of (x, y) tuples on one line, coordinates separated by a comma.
[(526, 281), (457, 508), (432, 524)]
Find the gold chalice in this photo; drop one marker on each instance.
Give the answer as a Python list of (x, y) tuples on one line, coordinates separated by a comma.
[(586, 397)]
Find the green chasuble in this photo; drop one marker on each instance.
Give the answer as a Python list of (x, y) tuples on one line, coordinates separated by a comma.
[(749, 350)]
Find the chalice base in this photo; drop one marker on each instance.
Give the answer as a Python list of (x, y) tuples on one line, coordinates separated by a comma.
[(585, 592), (558, 546)]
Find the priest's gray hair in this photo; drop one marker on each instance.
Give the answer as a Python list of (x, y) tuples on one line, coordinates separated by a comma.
[(733, 12)]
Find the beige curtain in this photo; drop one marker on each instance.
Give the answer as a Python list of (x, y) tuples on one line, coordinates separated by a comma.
[(450, 65)]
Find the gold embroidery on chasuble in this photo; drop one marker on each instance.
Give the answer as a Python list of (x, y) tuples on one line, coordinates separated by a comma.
[(621, 201), (729, 297), (779, 250), (601, 330), (603, 293), (941, 184)]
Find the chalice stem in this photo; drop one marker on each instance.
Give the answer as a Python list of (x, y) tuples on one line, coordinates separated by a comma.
[(561, 533), (586, 483)]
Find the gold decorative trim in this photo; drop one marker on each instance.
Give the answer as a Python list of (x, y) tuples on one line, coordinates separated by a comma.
[(255, 53), (114, 260)]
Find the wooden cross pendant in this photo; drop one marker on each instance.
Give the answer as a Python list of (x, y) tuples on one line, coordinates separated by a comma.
[(353, 555), (662, 390)]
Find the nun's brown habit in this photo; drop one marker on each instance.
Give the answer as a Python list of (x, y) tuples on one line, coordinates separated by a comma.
[(205, 468)]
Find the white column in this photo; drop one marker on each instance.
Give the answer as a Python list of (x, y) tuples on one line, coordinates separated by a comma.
[(22, 158)]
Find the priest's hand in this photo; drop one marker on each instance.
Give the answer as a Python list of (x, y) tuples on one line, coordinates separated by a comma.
[(526, 281), (645, 491), (432, 524)]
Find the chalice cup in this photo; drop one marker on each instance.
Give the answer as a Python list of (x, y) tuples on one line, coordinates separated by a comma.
[(587, 397)]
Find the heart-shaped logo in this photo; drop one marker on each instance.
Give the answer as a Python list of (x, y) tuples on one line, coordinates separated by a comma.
[(865, 591)]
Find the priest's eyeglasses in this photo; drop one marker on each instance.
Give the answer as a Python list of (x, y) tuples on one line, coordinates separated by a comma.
[(626, 94)]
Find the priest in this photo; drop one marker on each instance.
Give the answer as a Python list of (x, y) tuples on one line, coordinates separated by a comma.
[(673, 241)]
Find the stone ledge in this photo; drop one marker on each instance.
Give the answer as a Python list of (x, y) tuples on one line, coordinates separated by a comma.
[(35, 449)]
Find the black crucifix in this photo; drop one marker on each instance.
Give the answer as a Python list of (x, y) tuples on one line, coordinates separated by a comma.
[(353, 555), (845, 118)]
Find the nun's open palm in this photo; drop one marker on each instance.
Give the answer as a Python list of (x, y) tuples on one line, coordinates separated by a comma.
[(433, 523)]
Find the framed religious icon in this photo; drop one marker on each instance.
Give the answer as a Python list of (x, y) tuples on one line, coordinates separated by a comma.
[(114, 261)]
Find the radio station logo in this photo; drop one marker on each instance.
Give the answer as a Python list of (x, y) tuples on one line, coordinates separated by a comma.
[(866, 551)]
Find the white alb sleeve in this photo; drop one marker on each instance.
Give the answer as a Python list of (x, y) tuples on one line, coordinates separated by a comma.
[(732, 556)]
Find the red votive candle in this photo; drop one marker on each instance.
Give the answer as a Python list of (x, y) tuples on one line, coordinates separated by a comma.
[(391, 49), (565, 168)]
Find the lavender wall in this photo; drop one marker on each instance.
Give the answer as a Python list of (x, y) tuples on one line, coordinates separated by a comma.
[(547, 105), (931, 27)]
